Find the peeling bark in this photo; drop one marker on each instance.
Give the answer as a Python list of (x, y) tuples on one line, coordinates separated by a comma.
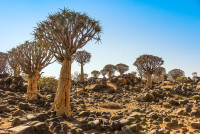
[(62, 98), (32, 87)]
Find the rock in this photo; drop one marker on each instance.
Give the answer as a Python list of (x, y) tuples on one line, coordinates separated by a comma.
[(95, 87), (116, 125), (31, 117), (23, 129), (4, 132), (76, 131), (18, 113), (53, 125), (96, 122), (8, 80), (13, 87), (86, 127), (196, 125), (167, 105), (41, 127), (16, 122), (4, 108), (4, 75), (25, 106), (195, 112), (84, 113), (57, 129), (134, 128), (154, 116), (42, 117)]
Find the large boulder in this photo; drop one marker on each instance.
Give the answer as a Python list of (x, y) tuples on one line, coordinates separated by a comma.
[(25, 106)]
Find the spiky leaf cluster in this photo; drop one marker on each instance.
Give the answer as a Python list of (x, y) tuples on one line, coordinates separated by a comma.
[(148, 63), (66, 31), (82, 57)]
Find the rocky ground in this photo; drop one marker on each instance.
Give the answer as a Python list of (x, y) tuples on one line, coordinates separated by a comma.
[(100, 106)]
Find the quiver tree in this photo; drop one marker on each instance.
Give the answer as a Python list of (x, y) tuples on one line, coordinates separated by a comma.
[(160, 71), (82, 57), (110, 70), (32, 58), (148, 64), (95, 74), (121, 68), (65, 32), (3, 62), (174, 73), (103, 73), (13, 61)]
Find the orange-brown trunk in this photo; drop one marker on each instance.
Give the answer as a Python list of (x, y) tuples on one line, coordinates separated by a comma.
[(32, 87), (149, 81), (62, 98), (82, 73)]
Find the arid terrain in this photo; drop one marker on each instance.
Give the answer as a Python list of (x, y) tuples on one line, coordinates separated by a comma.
[(102, 106)]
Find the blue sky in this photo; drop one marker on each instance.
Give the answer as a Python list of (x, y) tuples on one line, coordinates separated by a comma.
[(166, 28)]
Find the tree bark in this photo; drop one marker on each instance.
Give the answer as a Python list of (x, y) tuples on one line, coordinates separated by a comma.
[(109, 75), (32, 87), (82, 73), (121, 73), (149, 81), (62, 98), (16, 71)]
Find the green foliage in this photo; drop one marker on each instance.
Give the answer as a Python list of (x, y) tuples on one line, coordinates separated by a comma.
[(48, 83), (181, 79)]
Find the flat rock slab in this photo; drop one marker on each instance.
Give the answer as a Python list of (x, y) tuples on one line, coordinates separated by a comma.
[(22, 130)]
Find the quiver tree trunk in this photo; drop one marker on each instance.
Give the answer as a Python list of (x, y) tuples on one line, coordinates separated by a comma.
[(82, 73), (109, 75), (121, 73), (62, 98), (32, 86), (16, 70), (149, 81)]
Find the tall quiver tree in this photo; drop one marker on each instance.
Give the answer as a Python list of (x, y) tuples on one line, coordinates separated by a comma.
[(95, 73), (121, 68), (160, 71), (65, 32), (110, 69), (3, 62), (13, 61), (82, 57), (174, 73), (32, 58), (148, 65)]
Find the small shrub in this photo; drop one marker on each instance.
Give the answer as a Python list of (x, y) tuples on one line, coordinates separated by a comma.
[(111, 105), (48, 83)]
